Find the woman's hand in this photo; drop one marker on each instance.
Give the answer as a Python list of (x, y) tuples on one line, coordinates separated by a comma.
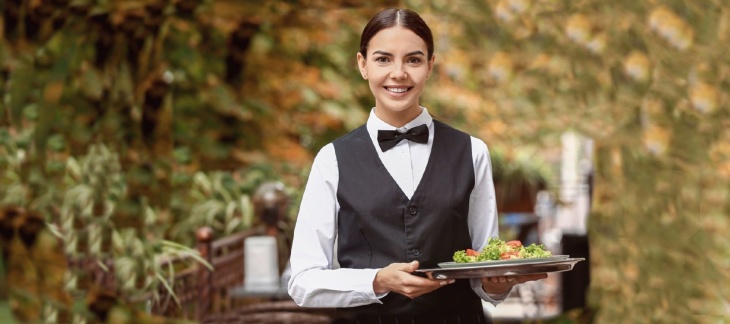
[(500, 285), (397, 278)]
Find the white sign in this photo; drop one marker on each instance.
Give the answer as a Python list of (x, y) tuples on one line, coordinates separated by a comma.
[(261, 269)]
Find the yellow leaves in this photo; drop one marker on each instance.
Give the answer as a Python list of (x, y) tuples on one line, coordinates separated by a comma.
[(501, 66), (719, 154), (541, 62), (616, 158), (704, 97), (458, 98), (581, 29), (651, 108), (671, 27), (656, 139), (637, 66), (598, 43), (578, 28), (515, 15), (493, 128), (656, 282), (723, 28), (457, 65), (518, 6), (504, 13), (297, 39), (631, 271), (599, 130), (608, 278), (553, 64), (287, 150), (330, 117), (714, 223)]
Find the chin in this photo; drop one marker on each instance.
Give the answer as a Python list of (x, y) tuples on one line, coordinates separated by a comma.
[(395, 105), (397, 108)]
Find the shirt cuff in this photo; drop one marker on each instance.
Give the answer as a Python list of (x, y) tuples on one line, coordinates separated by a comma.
[(367, 286), (494, 299)]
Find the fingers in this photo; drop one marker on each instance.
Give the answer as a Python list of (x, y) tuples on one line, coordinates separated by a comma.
[(413, 286), (498, 285), (501, 279), (501, 284), (514, 279), (526, 278), (397, 277), (446, 282)]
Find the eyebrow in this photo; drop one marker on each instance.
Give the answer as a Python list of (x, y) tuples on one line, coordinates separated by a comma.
[(407, 54)]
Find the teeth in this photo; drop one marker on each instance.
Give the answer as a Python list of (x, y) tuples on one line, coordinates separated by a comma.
[(397, 90)]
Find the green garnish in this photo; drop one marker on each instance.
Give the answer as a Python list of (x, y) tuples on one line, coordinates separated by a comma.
[(497, 249)]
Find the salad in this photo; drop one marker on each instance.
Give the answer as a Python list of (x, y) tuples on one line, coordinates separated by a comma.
[(501, 250)]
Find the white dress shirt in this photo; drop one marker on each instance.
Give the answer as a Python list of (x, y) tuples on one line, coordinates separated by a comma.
[(316, 279)]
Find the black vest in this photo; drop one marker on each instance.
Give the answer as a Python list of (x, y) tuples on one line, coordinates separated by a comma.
[(378, 225)]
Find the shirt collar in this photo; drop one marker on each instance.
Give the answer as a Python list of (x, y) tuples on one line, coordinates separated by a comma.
[(374, 123)]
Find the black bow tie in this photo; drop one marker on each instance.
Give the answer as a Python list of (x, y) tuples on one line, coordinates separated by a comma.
[(389, 138)]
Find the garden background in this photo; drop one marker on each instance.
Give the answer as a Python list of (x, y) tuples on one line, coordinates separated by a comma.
[(127, 125)]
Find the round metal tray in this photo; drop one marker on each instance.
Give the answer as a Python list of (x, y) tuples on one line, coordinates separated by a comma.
[(504, 269)]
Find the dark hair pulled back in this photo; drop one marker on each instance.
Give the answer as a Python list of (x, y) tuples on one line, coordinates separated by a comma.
[(396, 17)]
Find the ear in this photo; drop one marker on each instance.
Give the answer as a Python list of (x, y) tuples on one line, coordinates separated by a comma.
[(361, 64), (430, 65)]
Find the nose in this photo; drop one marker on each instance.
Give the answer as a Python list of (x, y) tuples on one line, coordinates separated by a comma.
[(398, 72)]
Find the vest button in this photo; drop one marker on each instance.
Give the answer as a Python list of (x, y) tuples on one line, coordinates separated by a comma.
[(413, 210), (416, 252)]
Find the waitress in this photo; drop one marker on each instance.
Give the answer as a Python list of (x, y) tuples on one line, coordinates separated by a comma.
[(401, 192)]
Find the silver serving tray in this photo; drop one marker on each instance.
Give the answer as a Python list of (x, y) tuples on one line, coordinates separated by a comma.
[(502, 269)]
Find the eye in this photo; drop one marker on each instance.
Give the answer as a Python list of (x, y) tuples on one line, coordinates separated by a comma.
[(414, 60), (382, 59)]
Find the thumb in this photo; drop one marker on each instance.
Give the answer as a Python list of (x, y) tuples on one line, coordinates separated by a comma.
[(412, 266)]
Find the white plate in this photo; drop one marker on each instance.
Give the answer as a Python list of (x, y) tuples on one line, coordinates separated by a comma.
[(449, 265)]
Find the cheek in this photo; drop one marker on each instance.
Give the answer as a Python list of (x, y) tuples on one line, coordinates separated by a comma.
[(419, 75), (374, 85), (375, 77)]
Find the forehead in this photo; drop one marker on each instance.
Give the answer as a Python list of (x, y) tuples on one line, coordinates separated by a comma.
[(396, 39)]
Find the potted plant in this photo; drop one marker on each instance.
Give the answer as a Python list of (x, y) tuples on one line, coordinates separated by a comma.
[(518, 178)]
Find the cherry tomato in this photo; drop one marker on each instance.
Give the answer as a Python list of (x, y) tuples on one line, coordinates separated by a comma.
[(509, 255), (514, 243)]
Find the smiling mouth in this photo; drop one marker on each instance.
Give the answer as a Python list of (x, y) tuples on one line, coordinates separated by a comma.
[(398, 89)]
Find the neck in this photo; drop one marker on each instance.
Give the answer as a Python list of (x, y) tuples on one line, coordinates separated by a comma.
[(397, 119)]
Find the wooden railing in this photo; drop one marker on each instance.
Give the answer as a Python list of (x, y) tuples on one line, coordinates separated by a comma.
[(200, 290), (204, 294)]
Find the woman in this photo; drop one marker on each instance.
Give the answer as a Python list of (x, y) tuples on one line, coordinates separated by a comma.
[(401, 192)]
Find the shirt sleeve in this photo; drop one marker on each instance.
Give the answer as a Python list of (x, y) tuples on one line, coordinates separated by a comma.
[(483, 220), (316, 281)]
